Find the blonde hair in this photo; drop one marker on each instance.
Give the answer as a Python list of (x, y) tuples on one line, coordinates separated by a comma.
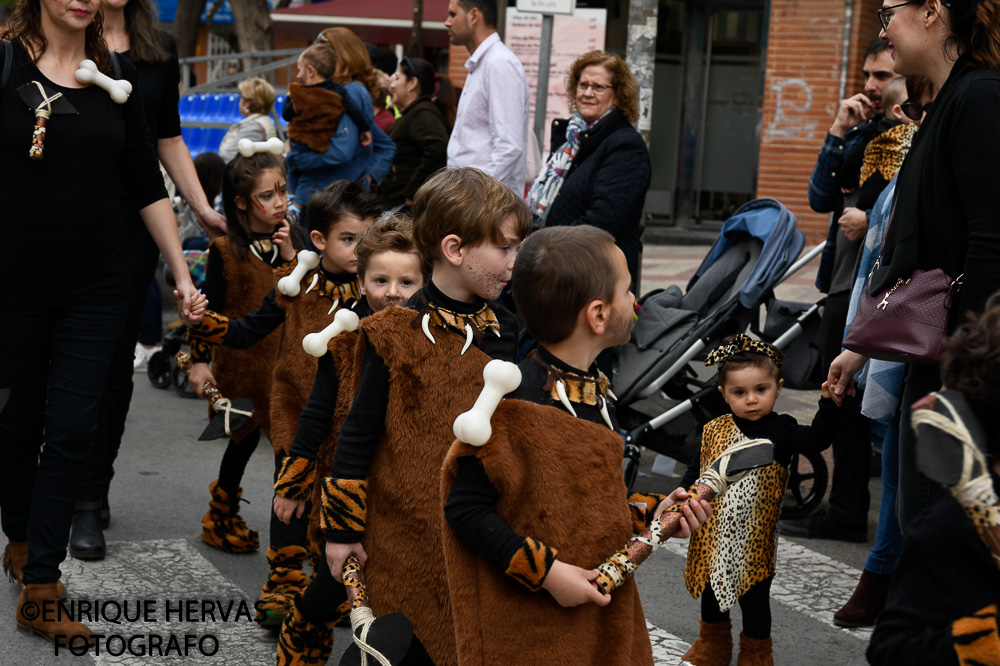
[(622, 81), (258, 93)]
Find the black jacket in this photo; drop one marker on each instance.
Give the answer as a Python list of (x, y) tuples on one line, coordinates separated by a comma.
[(606, 185), (421, 138), (947, 207)]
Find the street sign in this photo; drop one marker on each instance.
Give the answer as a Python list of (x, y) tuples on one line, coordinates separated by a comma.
[(546, 6)]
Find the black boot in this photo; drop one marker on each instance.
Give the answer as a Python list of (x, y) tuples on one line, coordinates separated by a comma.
[(86, 540)]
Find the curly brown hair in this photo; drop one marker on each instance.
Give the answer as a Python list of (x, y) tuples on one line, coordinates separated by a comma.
[(625, 87), (355, 63), (971, 364), (25, 28)]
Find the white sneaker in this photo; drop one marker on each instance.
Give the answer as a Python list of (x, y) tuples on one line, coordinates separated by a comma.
[(142, 356)]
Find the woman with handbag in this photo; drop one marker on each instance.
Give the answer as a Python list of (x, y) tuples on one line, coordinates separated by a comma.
[(946, 215)]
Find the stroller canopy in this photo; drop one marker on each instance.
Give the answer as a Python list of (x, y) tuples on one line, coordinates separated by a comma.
[(769, 221)]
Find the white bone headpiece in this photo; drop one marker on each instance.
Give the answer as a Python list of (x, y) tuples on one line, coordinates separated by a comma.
[(119, 89), (315, 344), (290, 285), (500, 378), (249, 147)]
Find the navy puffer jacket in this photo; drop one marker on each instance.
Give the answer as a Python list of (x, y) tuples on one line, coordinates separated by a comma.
[(606, 185)]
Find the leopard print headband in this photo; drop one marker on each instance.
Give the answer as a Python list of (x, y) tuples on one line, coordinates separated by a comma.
[(742, 343)]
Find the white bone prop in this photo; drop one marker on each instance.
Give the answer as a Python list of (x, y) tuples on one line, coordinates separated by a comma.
[(290, 285), (118, 89), (315, 344), (473, 427), (249, 147)]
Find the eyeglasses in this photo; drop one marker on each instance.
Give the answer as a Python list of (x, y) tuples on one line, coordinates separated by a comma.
[(596, 87), (884, 16), (915, 111)]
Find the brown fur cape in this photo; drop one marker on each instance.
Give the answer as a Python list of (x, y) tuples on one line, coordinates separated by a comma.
[(294, 369), (317, 115), (342, 350), (430, 385), (245, 373), (560, 482)]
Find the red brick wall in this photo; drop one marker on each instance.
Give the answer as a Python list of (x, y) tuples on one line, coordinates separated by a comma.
[(457, 55)]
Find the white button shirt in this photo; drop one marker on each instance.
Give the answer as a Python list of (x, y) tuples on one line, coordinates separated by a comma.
[(491, 125)]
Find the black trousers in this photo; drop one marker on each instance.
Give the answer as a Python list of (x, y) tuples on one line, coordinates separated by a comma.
[(117, 396), (57, 364), (916, 492), (852, 443), (755, 604)]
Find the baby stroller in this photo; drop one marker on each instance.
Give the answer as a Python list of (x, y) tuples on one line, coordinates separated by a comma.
[(756, 250)]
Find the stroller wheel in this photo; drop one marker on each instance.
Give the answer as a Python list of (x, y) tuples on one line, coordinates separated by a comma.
[(180, 383), (807, 479), (158, 370)]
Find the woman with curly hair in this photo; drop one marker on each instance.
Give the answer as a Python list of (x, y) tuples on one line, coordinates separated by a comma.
[(598, 171)]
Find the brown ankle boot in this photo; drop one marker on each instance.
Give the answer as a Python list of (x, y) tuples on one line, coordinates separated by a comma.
[(223, 527), (754, 651), (39, 612), (714, 646), (866, 603), (15, 556)]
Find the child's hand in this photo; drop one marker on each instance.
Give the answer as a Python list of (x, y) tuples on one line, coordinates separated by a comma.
[(200, 375), (572, 586), (283, 239), (366, 138), (693, 514), (825, 390), (337, 554), (195, 311), (284, 508)]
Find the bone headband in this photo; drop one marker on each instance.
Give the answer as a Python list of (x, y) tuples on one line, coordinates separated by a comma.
[(742, 343)]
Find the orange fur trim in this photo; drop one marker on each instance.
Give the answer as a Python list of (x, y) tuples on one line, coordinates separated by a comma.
[(976, 638), (531, 563)]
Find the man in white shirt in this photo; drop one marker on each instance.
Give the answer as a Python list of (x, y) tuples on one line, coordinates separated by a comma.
[(491, 126)]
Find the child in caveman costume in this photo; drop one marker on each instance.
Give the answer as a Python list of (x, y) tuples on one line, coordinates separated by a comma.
[(533, 512), (731, 558)]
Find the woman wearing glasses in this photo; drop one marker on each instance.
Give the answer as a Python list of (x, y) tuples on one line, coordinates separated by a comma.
[(420, 133), (598, 171)]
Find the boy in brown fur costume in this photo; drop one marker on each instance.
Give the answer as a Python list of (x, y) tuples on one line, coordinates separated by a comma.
[(390, 271), (339, 216), (313, 110), (571, 286), (421, 366)]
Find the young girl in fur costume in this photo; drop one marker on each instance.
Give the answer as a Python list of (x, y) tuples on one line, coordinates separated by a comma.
[(731, 558), (390, 271), (239, 273), (338, 217)]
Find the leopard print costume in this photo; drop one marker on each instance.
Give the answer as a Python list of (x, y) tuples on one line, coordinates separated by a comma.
[(884, 154), (735, 548)]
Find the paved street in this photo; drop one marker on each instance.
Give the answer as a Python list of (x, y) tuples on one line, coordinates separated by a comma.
[(161, 492)]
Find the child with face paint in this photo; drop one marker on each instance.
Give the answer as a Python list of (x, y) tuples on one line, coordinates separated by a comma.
[(240, 272)]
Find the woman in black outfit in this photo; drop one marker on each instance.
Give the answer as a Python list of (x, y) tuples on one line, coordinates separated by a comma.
[(947, 207), (130, 28), (599, 171), (420, 134), (62, 310)]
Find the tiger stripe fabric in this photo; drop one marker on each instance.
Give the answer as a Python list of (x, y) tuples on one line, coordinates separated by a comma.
[(344, 506), (642, 506), (977, 642), (531, 563), (212, 328), (201, 351), (296, 478)]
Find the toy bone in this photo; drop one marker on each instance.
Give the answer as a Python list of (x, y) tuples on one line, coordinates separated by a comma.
[(315, 343), (729, 467), (289, 285), (249, 147), (118, 89), (473, 427)]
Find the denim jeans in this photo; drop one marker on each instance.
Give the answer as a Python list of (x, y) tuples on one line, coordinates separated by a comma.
[(57, 367), (883, 556)]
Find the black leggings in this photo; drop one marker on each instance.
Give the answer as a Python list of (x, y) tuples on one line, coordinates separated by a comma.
[(755, 604), (235, 459)]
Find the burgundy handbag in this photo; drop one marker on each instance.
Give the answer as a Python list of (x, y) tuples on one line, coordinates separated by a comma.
[(906, 323)]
